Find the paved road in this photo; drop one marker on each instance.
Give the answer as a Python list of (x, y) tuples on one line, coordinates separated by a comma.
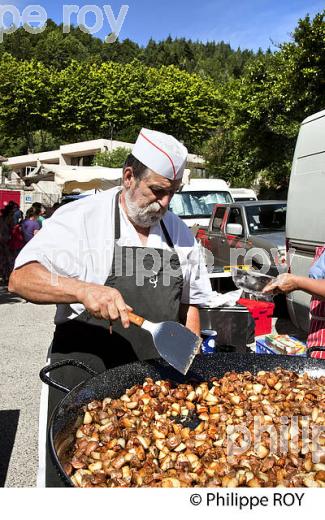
[(25, 335)]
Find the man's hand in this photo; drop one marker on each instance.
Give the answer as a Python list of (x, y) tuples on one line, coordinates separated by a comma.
[(284, 283), (104, 303), (35, 283)]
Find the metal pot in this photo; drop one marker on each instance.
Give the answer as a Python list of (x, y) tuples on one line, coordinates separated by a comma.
[(66, 417)]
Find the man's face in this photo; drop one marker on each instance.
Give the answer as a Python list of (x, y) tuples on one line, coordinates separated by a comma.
[(147, 200)]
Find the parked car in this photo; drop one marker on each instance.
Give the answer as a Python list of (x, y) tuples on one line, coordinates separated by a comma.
[(195, 201), (243, 194), (250, 233), (305, 228)]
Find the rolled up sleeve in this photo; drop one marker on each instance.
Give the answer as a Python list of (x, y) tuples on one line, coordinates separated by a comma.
[(56, 246), (197, 287)]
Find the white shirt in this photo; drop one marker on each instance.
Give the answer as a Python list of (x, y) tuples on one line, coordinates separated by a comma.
[(78, 241)]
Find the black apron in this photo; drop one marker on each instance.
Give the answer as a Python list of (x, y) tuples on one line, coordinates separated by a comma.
[(152, 293)]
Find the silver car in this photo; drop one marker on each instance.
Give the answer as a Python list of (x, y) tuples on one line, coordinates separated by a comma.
[(249, 233)]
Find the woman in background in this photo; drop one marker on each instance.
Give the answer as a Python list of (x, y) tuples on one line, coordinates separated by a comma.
[(30, 225), (40, 212)]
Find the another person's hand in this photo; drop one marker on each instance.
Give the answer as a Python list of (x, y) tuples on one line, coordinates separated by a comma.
[(104, 303), (284, 283)]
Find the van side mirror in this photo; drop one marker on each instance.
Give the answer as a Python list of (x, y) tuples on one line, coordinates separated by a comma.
[(234, 229)]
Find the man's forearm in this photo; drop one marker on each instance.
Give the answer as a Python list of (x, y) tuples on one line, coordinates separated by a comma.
[(38, 285), (190, 317)]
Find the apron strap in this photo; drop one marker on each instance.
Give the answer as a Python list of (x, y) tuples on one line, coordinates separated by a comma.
[(117, 232), (118, 224), (167, 235)]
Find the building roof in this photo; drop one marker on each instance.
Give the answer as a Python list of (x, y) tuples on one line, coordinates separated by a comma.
[(80, 149)]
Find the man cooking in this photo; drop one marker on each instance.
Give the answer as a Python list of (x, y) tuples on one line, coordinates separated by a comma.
[(106, 254)]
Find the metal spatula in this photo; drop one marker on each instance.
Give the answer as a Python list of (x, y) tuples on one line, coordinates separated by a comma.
[(174, 342)]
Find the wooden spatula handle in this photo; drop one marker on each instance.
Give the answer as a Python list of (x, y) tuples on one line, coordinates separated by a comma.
[(134, 318)]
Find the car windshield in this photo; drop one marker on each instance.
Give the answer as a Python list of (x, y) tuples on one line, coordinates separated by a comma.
[(266, 218), (190, 204)]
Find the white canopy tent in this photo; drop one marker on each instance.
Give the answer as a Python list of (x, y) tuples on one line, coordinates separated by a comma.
[(77, 178), (84, 178)]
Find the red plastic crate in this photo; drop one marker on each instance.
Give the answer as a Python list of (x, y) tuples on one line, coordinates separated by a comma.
[(262, 313)]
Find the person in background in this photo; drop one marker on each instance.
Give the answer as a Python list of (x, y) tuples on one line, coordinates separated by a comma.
[(30, 225), (16, 241), (4, 249), (8, 211), (40, 211), (17, 214), (51, 210), (8, 254), (314, 285)]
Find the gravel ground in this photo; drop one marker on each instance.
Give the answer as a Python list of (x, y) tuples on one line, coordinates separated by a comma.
[(25, 335)]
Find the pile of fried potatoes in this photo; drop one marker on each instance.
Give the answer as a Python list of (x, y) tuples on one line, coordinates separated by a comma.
[(241, 430)]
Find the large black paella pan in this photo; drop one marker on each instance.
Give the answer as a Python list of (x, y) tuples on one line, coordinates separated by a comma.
[(113, 383)]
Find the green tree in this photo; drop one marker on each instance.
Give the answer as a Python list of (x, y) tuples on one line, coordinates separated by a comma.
[(115, 100), (112, 159), (12, 146), (25, 91), (122, 52), (241, 109), (256, 134), (179, 103), (45, 141), (56, 48), (59, 49), (77, 105)]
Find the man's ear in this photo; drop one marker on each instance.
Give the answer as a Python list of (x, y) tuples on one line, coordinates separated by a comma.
[(127, 177)]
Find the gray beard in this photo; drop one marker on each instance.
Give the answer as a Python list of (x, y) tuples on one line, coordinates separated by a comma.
[(143, 217)]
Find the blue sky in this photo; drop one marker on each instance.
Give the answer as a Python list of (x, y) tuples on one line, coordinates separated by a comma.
[(242, 23)]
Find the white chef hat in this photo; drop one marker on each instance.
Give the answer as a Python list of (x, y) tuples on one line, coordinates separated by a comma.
[(160, 152)]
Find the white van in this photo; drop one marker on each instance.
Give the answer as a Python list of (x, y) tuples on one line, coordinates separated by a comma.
[(243, 194), (196, 199), (305, 225)]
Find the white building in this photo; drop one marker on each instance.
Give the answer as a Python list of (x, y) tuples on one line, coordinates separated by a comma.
[(82, 154)]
